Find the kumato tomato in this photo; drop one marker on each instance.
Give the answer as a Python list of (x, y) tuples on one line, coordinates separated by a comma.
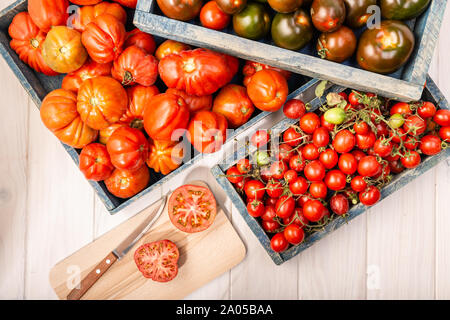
[(192, 208), (292, 31), (285, 6), (328, 15), (402, 10), (212, 17), (338, 45), (253, 22), (95, 162), (183, 10), (268, 90), (357, 15), (125, 184), (231, 6), (158, 260)]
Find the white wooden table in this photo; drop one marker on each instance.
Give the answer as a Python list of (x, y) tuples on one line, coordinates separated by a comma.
[(398, 250)]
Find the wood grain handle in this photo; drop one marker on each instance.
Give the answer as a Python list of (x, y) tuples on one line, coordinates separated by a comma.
[(92, 277)]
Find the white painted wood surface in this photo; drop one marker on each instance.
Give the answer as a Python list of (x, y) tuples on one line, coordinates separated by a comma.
[(398, 250)]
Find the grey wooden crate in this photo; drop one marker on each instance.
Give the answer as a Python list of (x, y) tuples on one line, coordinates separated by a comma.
[(38, 85), (405, 84), (431, 93)]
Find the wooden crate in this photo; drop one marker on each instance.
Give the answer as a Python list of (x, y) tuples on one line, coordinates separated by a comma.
[(38, 85), (405, 84), (431, 93)]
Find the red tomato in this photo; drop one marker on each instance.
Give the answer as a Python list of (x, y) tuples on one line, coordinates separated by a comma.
[(95, 162), (344, 141), (370, 196), (324, 123), (321, 137), (383, 147), (396, 166), (254, 189), (339, 204), (207, 131), (255, 208), (244, 166), (141, 40), (234, 104), (88, 13), (382, 129), (315, 171), (128, 148), (277, 169), (430, 145), (411, 143), (260, 138), (426, 110), (212, 17), (48, 13), (348, 163), (170, 46), (294, 109), (135, 66), (195, 103), (365, 141), (290, 175), (294, 234), (125, 184), (313, 210), (27, 42), (138, 98), (285, 206), (398, 135), (297, 218), (284, 152), (329, 158), (310, 152), (414, 125), (318, 190), (279, 243), (268, 90), (402, 108), (166, 117), (358, 184), (90, 69), (274, 189), (368, 166), (104, 38), (251, 67), (269, 211), (336, 180), (310, 122), (296, 163), (361, 127), (353, 98), (158, 260), (197, 72), (234, 175), (444, 133), (299, 186), (270, 226), (442, 117), (192, 208), (411, 160), (293, 136), (358, 154), (127, 3)]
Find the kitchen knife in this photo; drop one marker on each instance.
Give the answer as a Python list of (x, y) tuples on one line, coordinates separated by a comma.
[(117, 253)]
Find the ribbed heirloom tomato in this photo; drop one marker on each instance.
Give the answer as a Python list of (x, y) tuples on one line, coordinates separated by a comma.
[(166, 117), (195, 103), (128, 3), (138, 98), (48, 13), (128, 148), (141, 40), (170, 46), (90, 69), (165, 156), (125, 184), (27, 42), (207, 131), (251, 67), (198, 72), (135, 66), (95, 162), (268, 90), (102, 101), (104, 38), (88, 13), (59, 114)]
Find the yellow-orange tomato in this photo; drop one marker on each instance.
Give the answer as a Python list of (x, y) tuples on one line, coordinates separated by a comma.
[(125, 184), (102, 101), (170, 46), (63, 51), (87, 14), (104, 134), (165, 156), (90, 69), (59, 114), (268, 90)]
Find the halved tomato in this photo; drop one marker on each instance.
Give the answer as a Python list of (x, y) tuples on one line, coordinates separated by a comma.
[(158, 260), (90, 69), (192, 208)]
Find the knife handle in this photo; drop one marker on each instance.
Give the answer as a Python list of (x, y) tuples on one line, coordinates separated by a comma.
[(92, 277)]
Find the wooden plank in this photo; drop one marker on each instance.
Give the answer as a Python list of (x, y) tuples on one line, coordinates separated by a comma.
[(60, 205), (203, 256), (13, 185)]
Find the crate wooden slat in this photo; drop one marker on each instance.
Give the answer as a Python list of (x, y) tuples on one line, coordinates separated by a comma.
[(405, 85), (431, 93)]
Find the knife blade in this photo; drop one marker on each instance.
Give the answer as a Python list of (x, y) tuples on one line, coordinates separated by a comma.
[(118, 253)]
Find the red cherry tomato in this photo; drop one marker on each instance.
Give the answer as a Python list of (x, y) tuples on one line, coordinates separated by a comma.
[(269, 212), (278, 169), (414, 125), (370, 196), (260, 138), (324, 123), (442, 117), (314, 210), (444, 133), (284, 152), (402, 108), (321, 137), (358, 184), (310, 122), (339, 204), (297, 218), (296, 163), (426, 110), (212, 17), (254, 189), (294, 234), (299, 186), (285, 206), (279, 243), (274, 189), (336, 180), (365, 141), (315, 171), (361, 127), (348, 163), (310, 152), (234, 175), (290, 175), (344, 141), (430, 145), (358, 154), (318, 190), (329, 158), (411, 160), (369, 166), (383, 147), (244, 166), (294, 109), (255, 208), (292, 137), (270, 226)]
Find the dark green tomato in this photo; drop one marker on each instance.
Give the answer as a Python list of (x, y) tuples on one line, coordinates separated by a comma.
[(180, 9), (402, 9), (292, 30), (307, 3), (386, 49), (285, 6), (337, 46), (357, 15), (253, 22), (261, 1), (231, 6), (328, 15)]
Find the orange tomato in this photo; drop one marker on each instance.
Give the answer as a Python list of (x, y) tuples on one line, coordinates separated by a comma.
[(165, 156), (207, 131), (140, 39), (106, 133), (268, 90), (195, 103), (90, 69), (48, 13), (170, 46), (102, 101), (234, 103), (125, 184), (87, 14), (138, 98)]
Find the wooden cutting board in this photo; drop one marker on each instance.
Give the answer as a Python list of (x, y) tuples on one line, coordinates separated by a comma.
[(203, 257)]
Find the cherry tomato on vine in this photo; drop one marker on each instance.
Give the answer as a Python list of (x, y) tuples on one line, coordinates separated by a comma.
[(426, 110), (234, 175), (285, 206), (411, 160), (414, 125), (269, 213), (365, 141), (294, 234), (254, 189), (310, 152), (370, 196), (284, 152), (244, 166), (297, 163), (279, 242), (444, 133), (292, 137), (358, 184), (321, 137), (270, 226), (430, 145), (336, 180), (314, 210), (278, 169), (290, 175), (314, 171), (348, 163), (318, 190), (361, 127), (442, 117), (298, 186), (294, 109), (329, 158), (255, 208), (260, 138), (369, 166), (297, 218), (274, 189), (310, 122), (344, 141), (339, 204), (383, 147), (401, 108)]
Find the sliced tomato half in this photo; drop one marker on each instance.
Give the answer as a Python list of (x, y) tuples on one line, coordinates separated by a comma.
[(192, 208), (158, 260)]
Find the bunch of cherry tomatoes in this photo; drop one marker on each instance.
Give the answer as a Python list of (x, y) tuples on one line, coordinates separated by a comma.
[(292, 24), (298, 181), (110, 104)]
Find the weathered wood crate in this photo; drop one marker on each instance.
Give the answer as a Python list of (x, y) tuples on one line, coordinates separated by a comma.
[(405, 84), (38, 85), (431, 93)]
